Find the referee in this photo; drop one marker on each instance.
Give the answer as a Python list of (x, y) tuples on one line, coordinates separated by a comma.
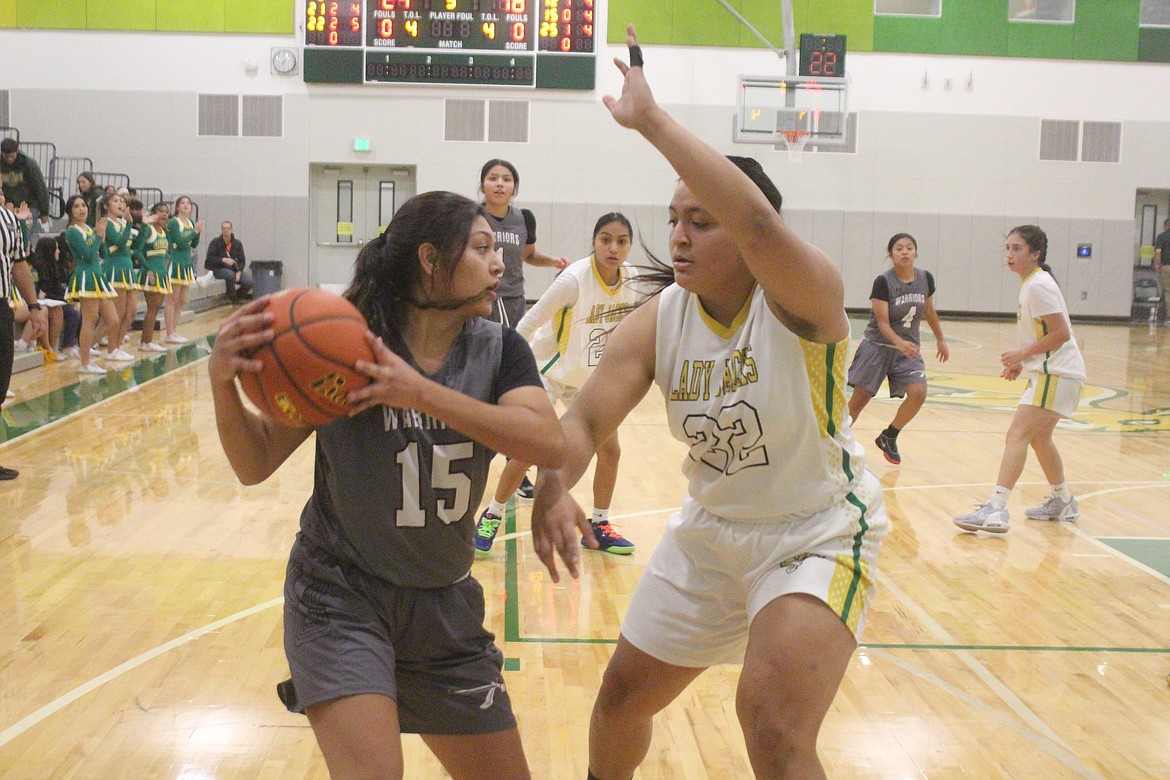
[(14, 270)]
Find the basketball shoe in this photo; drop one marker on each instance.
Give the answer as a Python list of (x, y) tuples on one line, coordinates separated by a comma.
[(485, 532), (889, 448), (527, 489), (1054, 509), (609, 540), (988, 518)]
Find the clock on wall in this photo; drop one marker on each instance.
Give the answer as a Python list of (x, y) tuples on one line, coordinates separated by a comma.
[(284, 61)]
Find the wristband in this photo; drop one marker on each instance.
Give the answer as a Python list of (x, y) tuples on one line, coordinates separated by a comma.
[(635, 56), (34, 307)]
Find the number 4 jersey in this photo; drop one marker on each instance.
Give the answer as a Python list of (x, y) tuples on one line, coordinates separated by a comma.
[(396, 491), (907, 302), (763, 411)]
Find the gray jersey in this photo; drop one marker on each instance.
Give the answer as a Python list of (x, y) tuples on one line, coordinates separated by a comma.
[(512, 234), (395, 491), (907, 302)]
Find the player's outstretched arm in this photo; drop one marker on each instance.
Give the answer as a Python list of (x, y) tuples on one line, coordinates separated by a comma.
[(254, 445), (803, 286), (522, 425), (622, 378)]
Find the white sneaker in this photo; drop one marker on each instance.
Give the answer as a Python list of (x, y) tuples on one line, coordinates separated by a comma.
[(9, 394), (150, 346), (21, 346), (126, 339), (204, 279), (175, 338), (90, 369), (105, 342), (119, 356), (1054, 509), (985, 518), (95, 352), (72, 352)]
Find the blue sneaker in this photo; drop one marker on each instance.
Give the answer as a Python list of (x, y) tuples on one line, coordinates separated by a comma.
[(609, 540), (485, 532)]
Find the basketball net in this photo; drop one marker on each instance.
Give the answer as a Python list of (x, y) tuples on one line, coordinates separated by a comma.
[(795, 141)]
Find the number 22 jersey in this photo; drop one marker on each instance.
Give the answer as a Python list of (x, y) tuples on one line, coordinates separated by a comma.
[(763, 411)]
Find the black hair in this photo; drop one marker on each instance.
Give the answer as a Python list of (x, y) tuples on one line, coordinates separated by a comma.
[(613, 216), (1037, 241), (158, 207), (69, 205), (387, 276), (898, 237), (175, 208), (89, 177), (755, 172), (134, 204), (492, 163), (9, 145)]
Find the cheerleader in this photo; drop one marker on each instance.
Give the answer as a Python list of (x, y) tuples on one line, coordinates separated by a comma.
[(88, 283), (118, 265), (183, 237), (150, 249)]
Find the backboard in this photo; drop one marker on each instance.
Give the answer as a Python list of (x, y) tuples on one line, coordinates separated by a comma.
[(766, 106)]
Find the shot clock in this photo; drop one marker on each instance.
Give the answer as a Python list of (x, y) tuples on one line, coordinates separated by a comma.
[(822, 55), (480, 42)]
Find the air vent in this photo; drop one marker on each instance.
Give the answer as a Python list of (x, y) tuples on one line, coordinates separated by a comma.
[(463, 120), (1059, 139), (508, 121), (219, 115), (263, 116), (1101, 142)]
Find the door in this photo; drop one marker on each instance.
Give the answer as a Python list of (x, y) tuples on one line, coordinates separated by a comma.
[(350, 205)]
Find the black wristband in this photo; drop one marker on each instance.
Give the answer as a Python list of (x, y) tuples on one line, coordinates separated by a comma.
[(635, 56), (34, 307)]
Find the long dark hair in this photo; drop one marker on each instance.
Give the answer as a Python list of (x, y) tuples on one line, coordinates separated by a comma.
[(1037, 241), (69, 208), (387, 275), (492, 163), (656, 276)]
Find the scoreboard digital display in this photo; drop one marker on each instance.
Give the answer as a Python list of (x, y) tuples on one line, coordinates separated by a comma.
[(483, 42)]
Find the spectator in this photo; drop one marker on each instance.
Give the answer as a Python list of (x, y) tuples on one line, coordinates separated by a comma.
[(87, 188), (23, 181), (53, 272), (226, 260)]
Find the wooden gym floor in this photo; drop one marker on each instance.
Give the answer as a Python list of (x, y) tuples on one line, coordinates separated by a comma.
[(140, 635)]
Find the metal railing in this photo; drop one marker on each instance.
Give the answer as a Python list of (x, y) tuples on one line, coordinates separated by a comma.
[(9, 132)]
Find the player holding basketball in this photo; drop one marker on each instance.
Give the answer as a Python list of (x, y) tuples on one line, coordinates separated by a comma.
[(891, 348), (771, 561), (570, 324), (383, 620), (1049, 357)]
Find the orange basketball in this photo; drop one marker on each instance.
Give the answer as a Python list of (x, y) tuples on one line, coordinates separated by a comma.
[(309, 364)]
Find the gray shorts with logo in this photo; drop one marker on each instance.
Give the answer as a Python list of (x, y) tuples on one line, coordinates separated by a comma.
[(874, 363), (348, 633)]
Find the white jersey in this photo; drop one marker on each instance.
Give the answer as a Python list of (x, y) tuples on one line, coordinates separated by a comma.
[(570, 323), (763, 410), (1040, 295)]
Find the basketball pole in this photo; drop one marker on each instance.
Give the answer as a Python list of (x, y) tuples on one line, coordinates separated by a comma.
[(789, 52)]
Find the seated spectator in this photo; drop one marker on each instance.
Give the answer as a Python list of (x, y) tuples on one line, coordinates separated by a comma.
[(226, 260), (53, 263)]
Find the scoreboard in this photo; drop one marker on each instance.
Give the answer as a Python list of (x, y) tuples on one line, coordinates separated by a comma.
[(469, 42)]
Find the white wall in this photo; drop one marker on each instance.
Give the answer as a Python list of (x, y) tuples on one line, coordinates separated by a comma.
[(959, 163)]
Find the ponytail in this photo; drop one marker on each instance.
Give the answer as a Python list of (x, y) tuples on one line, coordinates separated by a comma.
[(1037, 241)]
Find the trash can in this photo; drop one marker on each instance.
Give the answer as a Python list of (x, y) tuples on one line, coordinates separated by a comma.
[(266, 277)]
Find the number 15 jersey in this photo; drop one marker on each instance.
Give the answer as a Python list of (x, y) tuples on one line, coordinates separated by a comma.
[(763, 411)]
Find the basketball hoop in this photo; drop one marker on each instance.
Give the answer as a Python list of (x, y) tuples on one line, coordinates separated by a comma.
[(795, 141)]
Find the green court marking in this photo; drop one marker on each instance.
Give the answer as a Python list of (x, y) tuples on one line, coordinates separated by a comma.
[(1154, 553), (1025, 648), (22, 417), (511, 664)]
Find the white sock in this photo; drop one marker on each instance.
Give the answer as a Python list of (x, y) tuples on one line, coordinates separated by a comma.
[(600, 516), (496, 508), (1000, 496), (1061, 491)]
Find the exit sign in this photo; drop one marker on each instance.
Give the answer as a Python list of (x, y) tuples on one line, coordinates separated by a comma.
[(361, 144)]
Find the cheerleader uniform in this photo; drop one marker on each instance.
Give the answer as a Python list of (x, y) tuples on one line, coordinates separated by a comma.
[(181, 233), (151, 248), (88, 280), (118, 264)]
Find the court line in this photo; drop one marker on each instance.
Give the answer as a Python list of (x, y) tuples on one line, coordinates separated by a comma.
[(27, 722)]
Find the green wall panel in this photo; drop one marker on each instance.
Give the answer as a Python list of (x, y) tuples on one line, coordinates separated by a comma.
[(260, 16), (655, 21), (1106, 30), (706, 22), (7, 13), (185, 16), (974, 28), (907, 34), (120, 14), (1154, 44), (1039, 39), (54, 14), (764, 16), (851, 18)]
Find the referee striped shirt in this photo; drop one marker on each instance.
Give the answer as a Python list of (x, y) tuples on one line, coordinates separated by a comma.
[(11, 249)]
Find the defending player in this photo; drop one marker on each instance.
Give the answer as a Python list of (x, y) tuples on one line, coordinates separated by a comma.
[(771, 560), (383, 620)]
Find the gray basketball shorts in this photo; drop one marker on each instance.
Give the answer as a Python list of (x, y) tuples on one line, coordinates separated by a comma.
[(874, 363), (348, 633)]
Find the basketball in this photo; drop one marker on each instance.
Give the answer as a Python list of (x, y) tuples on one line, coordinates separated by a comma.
[(309, 364)]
